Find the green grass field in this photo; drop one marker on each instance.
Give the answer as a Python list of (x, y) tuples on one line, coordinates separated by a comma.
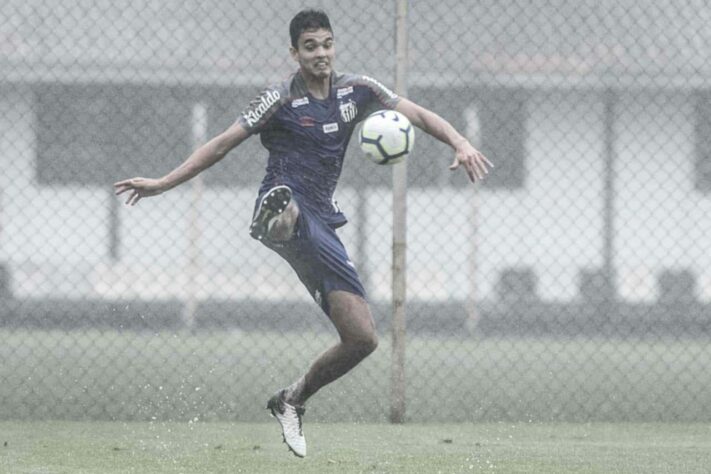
[(96, 447), (228, 376), (194, 403)]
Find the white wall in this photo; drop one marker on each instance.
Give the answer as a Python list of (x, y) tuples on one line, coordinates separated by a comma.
[(554, 224), (661, 221), (51, 237), (55, 240)]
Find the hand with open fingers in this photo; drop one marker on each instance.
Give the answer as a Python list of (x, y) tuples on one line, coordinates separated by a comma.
[(138, 188), (474, 162)]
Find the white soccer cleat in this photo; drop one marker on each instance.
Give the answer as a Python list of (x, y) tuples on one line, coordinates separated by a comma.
[(289, 417)]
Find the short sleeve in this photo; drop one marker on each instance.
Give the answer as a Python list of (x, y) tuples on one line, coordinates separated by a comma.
[(381, 96), (261, 109)]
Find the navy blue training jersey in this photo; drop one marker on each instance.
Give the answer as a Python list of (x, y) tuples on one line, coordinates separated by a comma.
[(307, 137)]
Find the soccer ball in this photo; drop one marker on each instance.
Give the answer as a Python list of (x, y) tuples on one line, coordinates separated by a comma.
[(386, 137)]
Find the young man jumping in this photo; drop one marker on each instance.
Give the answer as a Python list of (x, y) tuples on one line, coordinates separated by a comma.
[(305, 123)]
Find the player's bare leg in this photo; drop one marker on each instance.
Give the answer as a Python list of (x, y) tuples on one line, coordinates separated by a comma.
[(351, 316)]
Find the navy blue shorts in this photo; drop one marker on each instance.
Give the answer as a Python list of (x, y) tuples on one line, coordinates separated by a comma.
[(319, 258)]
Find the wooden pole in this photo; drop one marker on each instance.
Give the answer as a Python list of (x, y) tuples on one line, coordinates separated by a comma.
[(199, 136), (399, 282)]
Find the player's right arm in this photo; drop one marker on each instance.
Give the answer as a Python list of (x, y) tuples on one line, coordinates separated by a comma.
[(201, 159)]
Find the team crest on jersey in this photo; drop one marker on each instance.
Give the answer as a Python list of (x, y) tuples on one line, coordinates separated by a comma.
[(348, 111)]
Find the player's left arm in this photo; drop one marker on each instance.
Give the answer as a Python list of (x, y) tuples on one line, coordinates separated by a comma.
[(474, 162)]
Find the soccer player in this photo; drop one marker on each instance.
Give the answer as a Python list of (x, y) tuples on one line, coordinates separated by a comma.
[(306, 123)]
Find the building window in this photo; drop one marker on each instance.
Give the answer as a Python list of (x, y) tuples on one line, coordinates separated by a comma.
[(502, 131), (97, 134), (494, 120)]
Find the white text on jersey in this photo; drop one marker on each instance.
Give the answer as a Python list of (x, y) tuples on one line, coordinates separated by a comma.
[(344, 92), (265, 101), (299, 102)]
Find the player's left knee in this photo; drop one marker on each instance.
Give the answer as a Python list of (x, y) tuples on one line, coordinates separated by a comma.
[(366, 344), (372, 344)]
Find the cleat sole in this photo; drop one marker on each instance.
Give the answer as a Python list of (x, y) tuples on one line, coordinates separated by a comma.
[(274, 203)]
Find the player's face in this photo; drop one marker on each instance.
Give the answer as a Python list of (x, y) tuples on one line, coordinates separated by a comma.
[(315, 53)]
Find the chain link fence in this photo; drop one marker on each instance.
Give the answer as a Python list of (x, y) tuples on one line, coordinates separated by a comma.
[(573, 284)]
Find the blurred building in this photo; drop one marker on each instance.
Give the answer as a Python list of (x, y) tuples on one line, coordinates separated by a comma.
[(597, 115)]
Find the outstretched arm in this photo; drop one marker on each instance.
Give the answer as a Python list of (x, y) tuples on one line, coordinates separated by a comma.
[(475, 164), (201, 159)]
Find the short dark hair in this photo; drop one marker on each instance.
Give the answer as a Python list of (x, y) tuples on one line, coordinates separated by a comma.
[(307, 20)]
